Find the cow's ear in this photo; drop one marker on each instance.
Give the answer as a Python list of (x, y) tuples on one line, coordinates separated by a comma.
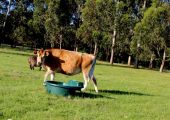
[(47, 53)]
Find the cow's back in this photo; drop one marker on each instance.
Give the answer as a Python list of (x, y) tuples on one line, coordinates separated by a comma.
[(67, 62)]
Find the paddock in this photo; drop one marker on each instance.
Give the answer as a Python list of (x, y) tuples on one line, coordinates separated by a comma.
[(124, 93)]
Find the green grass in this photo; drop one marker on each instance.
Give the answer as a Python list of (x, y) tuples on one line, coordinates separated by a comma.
[(124, 93)]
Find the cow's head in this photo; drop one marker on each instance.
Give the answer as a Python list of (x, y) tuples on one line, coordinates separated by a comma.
[(35, 51), (41, 55)]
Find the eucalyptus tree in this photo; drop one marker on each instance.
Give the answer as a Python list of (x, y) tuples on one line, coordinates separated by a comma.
[(138, 9), (5, 7), (151, 33), (89, 30), (57, 22), (36, 24), (18, 24), (127, 13), (15, 15), (52, 23), (76, 20), (118, 20), (108, 14), (2, 19), (8, 9)]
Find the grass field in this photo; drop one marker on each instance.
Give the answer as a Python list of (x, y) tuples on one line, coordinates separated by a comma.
[(124, 93)]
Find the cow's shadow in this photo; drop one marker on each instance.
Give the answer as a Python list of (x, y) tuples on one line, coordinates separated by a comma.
[(90, 95), (108, 94), (119, 92)]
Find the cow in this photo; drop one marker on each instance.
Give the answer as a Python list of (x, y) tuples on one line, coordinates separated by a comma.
[(68, 63), (32, 61)]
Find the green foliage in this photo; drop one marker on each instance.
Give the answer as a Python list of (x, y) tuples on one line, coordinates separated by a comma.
[(90, 22), (52, 22), (149, 33), (39, 15)]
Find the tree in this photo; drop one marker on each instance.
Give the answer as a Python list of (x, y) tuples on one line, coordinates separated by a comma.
[(90, 28), (150, 33), (114, 32), (5, 7), (36, 24), (52, 23)]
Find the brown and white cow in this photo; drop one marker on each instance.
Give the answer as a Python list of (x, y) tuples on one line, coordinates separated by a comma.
[(32, 61), (69, 63)]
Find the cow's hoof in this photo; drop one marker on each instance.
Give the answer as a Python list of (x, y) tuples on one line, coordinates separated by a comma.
[(44, 84), (97, 92), (82, 89)]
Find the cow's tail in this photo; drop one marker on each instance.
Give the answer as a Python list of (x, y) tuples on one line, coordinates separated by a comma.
[(91, 72)]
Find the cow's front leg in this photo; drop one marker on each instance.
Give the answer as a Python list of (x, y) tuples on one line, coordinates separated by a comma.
[(46, 75), (52, 76)]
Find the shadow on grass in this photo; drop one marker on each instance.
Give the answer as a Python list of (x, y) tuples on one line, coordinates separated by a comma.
[(118, 92), (107, 94), (90, 95)]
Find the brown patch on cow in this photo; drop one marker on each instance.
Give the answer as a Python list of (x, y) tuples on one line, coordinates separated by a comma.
[(32, 61)]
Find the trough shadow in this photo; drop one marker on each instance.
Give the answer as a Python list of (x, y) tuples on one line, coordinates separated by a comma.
[(90, 95), (119, 92)]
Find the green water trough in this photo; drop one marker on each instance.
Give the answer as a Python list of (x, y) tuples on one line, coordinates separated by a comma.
[(63, 89)]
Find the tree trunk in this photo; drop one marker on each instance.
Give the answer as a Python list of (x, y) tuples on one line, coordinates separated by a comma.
[(61, 38), (129, 60), (163, 62), (8, 9), (136, 62), (114, 34), (113, 45), (144, 4), (52, 44), (136, 59), (151, 62), (95, 48), (76, 47)]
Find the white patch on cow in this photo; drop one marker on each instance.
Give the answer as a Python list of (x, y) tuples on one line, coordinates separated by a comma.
[(38, 59), (52, 76)]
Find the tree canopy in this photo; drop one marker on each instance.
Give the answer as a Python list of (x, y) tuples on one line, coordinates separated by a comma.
[(113, 30)]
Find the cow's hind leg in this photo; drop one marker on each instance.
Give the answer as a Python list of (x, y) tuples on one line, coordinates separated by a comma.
[(30, 67), (95, 83), (45, 77), (40, 68), (85, 76)]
